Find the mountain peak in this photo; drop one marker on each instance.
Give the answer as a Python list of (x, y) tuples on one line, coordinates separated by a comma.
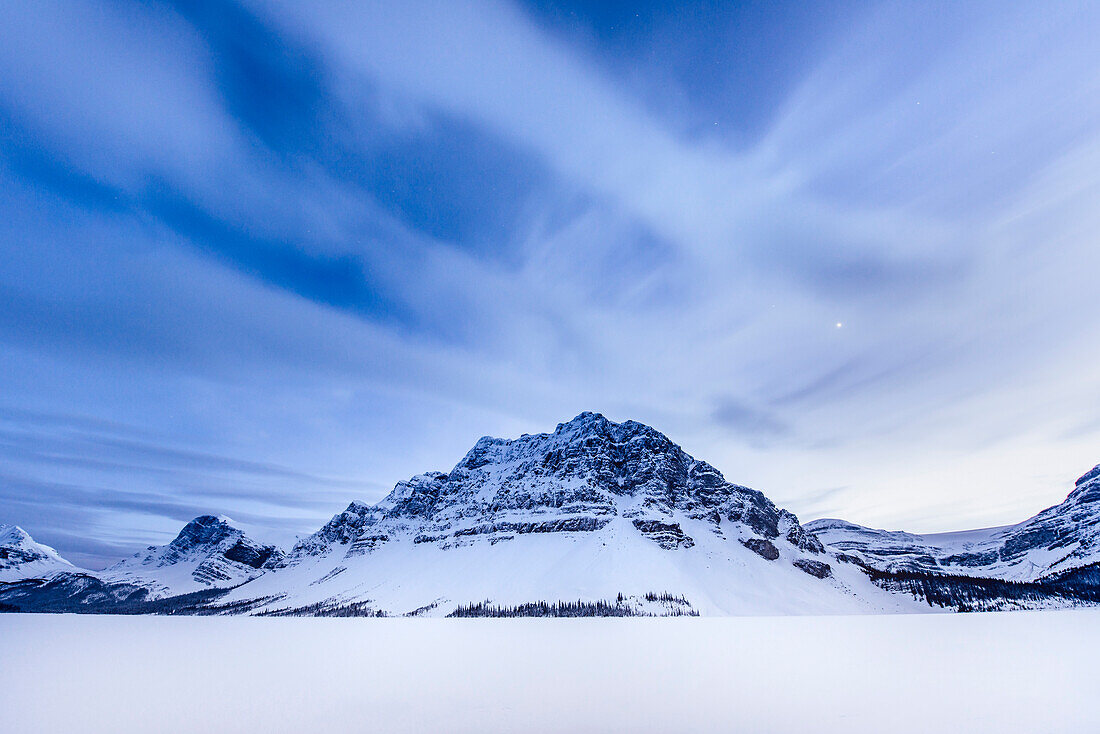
[(585, 426), (341, 530), (582, 476), (11, 534), (1088, 476), (594, 508), (1087, 488), (585, 419), (210, 521), (208, 552), (205, 530), (22, 557)]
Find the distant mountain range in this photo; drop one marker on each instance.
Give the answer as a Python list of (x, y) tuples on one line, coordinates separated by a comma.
[(596, 518), (1060, 545)]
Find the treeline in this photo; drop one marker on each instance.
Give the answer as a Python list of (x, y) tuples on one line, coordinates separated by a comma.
[(197, 602), (577, 608), (70, 593), (81, 594), (664, 596), (976, 594), (323, 609)]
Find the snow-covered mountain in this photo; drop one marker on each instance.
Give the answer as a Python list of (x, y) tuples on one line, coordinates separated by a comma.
[(595, 517), (1059, 541), (590, 512), (23, 558), (208, 553)]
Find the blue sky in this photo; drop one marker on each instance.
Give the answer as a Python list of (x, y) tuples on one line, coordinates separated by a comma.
[(266, 258)]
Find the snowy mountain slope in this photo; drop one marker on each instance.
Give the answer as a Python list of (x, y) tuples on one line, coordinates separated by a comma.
[(208, 553), (23, 558), (593, 510), (1058, 541), (716, 576)]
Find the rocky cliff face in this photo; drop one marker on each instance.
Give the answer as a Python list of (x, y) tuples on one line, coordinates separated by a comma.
[(576, 479), (335, 535)]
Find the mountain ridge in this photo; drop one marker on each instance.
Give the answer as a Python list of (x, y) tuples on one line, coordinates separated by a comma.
[(595, 512), (1055, 541)]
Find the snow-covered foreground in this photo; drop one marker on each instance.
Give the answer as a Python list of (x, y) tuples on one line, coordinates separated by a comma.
[(1021, 671)]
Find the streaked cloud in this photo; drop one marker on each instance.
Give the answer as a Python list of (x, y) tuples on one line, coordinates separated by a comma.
[(279, 256)]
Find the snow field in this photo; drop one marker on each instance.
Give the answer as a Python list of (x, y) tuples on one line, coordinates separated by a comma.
[(1019, 671)]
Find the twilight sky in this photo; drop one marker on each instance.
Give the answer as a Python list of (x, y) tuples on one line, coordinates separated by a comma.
[(263, 259)]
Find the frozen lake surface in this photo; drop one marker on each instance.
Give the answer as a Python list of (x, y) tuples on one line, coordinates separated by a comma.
[(1018, 671)]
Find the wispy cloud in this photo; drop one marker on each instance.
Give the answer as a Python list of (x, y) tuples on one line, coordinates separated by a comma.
[(295, 245)]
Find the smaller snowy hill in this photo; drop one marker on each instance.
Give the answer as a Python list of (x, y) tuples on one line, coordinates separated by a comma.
[(208, 553), (23, 558), (1061, 540)]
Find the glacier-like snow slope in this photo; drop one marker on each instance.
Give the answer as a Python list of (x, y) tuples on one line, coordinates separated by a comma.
[(1032, 672), (208, 553), (23, 558), (593, 510), (1058, 540)]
